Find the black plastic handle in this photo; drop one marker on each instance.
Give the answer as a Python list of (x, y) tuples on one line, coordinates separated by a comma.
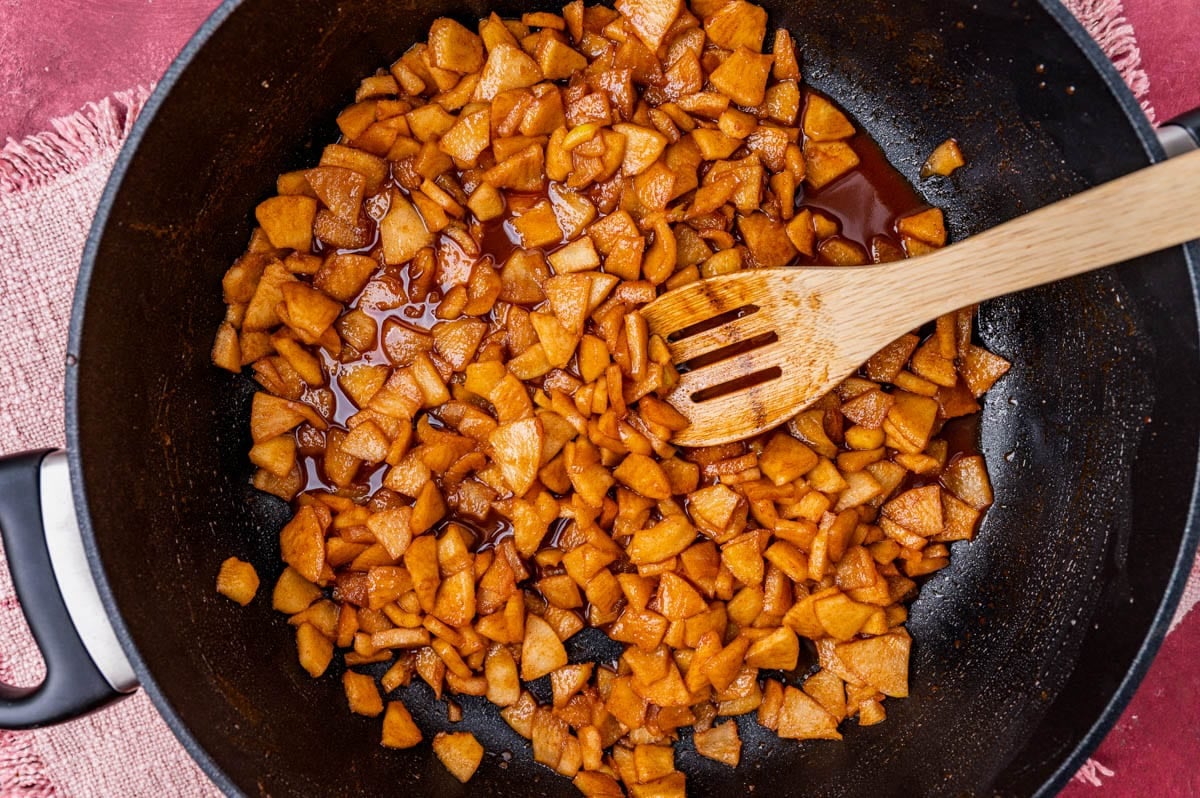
[(73, 685), (1189, 121)]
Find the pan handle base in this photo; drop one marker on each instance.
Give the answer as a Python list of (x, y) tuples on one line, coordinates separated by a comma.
[(85, 665), (1181, 134)]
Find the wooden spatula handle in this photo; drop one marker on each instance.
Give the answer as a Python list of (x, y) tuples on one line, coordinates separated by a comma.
[(1143, 212)]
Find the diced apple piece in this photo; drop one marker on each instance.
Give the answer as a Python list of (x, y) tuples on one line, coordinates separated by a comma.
[(670, 786), (468, 138), (517, 447), (506, 68), (288, 221), (453, 47), (559, 342), (742, 77), (868, 409), (558, 60), (343, 276), (293, 593), (643, 146), (919, 510), (644, 475), (767, 240), (486, 202), (826, 161), (841, 617), (714, 146), (782, 102), (277, 455), (595, 784), (399, 729), (720, 743), (569, 295), (302, 544), (541, 651), (662, 541), (737, 24), (801, 233), (927, 225), (889, 361), (678, 600), (237, 581), (459, 752), (959, 519), (429, 123), (578, 256), (366, 442), (823, 121), (779, 650), (500, 669), (362, 694), (912, 417), (980, 369), (314, 649), (537, 226), (392, 528), (881, 662), (802, 718), (944, 159), (402, 231), (743, 557), (967, 479), (650, 19), (829, 691), (340, 189), (372, 167), (457, 341)]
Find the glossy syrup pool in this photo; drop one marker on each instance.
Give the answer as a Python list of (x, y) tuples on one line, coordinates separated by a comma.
[(869, 199)]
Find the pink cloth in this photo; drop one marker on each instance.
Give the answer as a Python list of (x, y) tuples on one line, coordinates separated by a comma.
[(56, 55), (49, 187), (1168, 36)]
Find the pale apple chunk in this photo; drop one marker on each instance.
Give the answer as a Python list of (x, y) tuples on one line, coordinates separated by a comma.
[(459, 752), (541, 652), (402, 231)]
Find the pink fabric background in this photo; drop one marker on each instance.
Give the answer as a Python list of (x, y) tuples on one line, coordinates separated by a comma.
[(58, 55)]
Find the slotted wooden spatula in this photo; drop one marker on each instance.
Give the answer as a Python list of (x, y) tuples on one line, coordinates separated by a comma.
[(756, 347)]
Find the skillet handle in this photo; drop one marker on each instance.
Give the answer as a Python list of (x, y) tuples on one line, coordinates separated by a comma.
[(1181, 134), (85, 667)]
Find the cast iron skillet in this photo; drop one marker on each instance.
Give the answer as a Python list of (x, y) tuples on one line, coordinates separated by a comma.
[(1027, 646)]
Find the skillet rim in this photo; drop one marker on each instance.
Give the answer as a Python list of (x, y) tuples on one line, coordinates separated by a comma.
[(1071, 763), (1161, 624)]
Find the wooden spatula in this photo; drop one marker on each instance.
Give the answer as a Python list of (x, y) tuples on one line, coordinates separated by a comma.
[(756, 347)]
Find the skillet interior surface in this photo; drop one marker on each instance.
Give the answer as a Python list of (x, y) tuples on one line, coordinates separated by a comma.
[(1020, 644)]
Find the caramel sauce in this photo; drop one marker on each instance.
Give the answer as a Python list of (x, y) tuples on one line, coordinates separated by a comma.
[(869, 199), (962, 436), (488, 532), (499, 239)]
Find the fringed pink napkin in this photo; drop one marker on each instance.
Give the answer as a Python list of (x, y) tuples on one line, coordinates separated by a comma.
[(49, 188)]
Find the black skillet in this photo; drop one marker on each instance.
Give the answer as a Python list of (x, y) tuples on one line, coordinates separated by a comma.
[(1027, 647)]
